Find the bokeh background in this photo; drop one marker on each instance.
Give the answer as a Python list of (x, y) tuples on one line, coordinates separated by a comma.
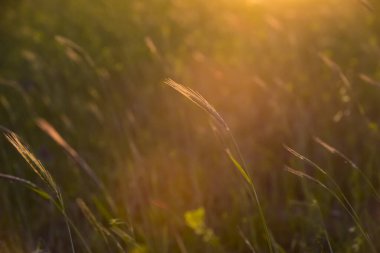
[(280, 72)]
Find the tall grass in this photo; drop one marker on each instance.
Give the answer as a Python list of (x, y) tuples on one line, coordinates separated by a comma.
[(206, 106), (81, 80), (336, 191), (43, 174)]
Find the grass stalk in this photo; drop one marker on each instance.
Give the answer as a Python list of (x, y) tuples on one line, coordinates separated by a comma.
[(340, 194), (201, 102)]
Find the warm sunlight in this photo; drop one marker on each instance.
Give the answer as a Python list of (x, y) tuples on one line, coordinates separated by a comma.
[(189, 126)]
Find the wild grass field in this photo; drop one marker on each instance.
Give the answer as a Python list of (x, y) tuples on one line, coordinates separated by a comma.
[(189, 126)]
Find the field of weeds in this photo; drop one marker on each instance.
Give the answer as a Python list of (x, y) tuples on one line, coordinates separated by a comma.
[(189, 126)]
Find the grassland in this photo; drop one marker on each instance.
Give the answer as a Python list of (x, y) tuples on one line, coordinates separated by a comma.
[(271, 143)]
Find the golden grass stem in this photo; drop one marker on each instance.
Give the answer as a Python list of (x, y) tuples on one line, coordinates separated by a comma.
[(201, 102)]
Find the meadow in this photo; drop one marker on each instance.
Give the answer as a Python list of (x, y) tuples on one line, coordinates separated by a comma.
[(189, 126)]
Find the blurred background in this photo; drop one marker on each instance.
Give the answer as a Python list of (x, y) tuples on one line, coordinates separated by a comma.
[(296, 73)]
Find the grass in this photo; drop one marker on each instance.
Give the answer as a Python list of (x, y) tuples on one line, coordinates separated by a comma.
[(43, 174), (116, 162), (206, 106)]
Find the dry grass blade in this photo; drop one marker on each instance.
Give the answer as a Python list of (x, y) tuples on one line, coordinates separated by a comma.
[(301, 157), (367, 5), (66, 42), (151, 46), (333, 150), (352, 95), (328, 62), (34, 163), (197, 99), (304, 175), (342, 200), (40, 170), (335, 67), (201, 102), (369, 80), (52, 132), (92, 219), (339, 194)]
